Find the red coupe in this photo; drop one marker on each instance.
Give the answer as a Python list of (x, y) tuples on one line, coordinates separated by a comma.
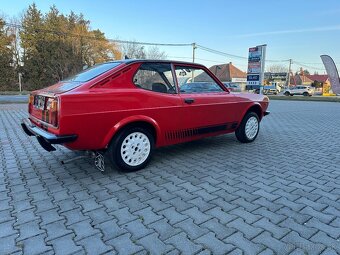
[(125, 109)]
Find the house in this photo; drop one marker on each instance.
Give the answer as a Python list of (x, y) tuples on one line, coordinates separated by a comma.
[(322, 78), (230, 73)]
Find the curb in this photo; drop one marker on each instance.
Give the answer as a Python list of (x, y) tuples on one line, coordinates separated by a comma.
[(302, 98)]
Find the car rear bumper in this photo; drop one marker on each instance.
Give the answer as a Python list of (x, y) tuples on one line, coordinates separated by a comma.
[(45, 138)]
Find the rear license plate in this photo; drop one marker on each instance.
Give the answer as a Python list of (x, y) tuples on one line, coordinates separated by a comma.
[(39, 102)]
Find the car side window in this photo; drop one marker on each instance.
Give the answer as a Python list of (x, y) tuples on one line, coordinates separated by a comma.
[(155, 77), (195, 80)]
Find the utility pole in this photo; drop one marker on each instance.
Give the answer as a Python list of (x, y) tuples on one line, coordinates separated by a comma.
[(193, 52), (20, 85), (263, 61), (289, 70)]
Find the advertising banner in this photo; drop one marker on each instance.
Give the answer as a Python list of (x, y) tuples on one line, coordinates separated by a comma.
[(256, 60), (254, 67), (332, 72)]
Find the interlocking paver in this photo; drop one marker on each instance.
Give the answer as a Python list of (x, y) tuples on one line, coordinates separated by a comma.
[(220, 230), (192, 199), (307, 246), (164, 229), (154, 245), (185, 245), (110, 229), (83, 229), (248, 230), (191, 228), (28, 230), (137, 229), (173, 216), (65, 245), (35, 245), (215, 245), (248, 247), (8, 245), (7, 229), (95, 245), (123, 245)]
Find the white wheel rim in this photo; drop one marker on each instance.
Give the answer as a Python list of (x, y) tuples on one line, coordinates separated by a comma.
[(252, 126), (135, 149)]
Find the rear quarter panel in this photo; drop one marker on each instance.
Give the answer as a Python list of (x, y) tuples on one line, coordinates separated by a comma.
[(95, 116)]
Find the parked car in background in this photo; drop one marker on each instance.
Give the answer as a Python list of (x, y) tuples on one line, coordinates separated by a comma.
[(124, 109), (299, 90), (233, 87)]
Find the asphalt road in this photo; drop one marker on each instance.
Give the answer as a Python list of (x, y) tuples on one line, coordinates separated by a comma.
[(277, 195)]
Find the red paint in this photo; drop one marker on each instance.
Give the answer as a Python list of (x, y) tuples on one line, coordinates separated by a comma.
[(96, 110)]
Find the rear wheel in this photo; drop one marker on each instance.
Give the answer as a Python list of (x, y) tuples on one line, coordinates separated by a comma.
[(131, 150), (249, 128), (287, 93)]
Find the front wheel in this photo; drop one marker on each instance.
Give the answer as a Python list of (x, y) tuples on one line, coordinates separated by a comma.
[(249, 128), (131, 150), (305, 94), (287, 93)]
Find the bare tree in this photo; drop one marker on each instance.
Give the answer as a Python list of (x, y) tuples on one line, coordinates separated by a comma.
[(276, 68), (137, 51), (154, 53), (133, 50)]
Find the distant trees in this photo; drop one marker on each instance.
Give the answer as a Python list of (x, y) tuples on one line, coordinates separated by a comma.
[(137, 51), (7, 65), (47, 48), (277, 68)]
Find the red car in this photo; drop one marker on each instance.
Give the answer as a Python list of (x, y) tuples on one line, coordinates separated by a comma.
[(125, 109)]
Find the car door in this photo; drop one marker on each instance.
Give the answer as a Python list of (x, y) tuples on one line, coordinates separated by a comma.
[(159, 98), (208, 107)]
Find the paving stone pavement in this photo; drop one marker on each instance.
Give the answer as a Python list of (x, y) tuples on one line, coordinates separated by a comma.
[(278, 195)]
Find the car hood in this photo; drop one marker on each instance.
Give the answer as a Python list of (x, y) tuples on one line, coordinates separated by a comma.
[(251, 97)]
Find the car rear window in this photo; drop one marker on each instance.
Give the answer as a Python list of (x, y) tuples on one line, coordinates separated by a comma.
[(92, 72)]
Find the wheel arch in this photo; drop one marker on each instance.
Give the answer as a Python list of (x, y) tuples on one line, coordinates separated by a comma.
[(133, 121), (254, 108)]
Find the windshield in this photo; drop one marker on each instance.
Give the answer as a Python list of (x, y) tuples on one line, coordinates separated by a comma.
[(92, 72)]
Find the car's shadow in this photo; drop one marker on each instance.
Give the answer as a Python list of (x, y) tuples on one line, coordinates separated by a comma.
[(163, 157)]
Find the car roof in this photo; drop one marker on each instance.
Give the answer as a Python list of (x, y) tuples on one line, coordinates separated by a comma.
[(130, 61)]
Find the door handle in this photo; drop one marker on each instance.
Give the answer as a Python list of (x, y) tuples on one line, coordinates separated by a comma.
[(189, 100)]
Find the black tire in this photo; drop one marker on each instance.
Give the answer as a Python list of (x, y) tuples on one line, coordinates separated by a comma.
[(116, 147), (305, 94), (287, 93), (241, 133)]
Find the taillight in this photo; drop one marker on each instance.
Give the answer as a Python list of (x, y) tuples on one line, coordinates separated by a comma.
[(52, 111), (30, 103)]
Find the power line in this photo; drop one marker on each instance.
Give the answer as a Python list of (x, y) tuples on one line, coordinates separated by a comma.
[(94, 38), (233, 56), (307, 66), (221, 53)]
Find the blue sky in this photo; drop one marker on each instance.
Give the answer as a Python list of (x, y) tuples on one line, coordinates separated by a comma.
[(301, 30)]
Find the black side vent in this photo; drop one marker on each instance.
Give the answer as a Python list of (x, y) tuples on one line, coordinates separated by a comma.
[(182, 134), (126, 70), (103, 82)]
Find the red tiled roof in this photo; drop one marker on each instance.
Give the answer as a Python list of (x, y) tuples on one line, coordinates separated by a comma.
[(318, 77), (226, 72)]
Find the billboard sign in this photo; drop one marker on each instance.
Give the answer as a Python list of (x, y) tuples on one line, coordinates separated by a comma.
[(256, 60), (253, 77), (254, 67)]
